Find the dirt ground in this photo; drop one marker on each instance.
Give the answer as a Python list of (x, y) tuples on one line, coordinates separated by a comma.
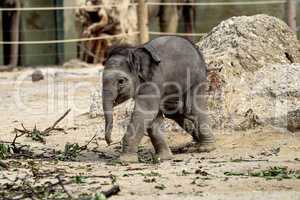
[(221, 174)]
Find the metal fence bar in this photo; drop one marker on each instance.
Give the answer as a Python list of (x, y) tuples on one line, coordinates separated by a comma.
[(58, 8), (149, 3), (134, 33), (71, 40), (178, 34), (220, 3)]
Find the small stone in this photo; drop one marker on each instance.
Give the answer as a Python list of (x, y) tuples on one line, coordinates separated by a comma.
[(293, 118), (37, 75)]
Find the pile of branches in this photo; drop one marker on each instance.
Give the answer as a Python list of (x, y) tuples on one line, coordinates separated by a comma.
[(17, 150), (38, 135), (31, 186), (26, 188)]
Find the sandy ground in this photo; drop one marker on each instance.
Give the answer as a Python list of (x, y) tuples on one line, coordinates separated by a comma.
[(188, 176)]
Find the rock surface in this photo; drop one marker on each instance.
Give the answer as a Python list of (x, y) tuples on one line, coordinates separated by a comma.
[(252, 70), (249, 43)]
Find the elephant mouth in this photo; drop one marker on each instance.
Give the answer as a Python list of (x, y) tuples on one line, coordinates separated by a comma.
[(120, 99)]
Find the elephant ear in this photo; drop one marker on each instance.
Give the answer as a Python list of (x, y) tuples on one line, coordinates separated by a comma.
[(134, 61), (142, 62), (152, 51)]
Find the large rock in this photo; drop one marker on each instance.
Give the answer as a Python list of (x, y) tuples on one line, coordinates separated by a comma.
[(249, 43), (253, 75)]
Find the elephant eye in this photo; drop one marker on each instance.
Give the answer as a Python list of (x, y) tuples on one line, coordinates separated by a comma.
[(121, 81)]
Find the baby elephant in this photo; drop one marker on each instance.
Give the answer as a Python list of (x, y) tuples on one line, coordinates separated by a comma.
[(167, 77)]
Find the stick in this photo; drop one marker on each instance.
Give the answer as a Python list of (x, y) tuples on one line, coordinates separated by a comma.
[(60, 181), (46, 131), (13, 144), (89, 142), (84, 147)]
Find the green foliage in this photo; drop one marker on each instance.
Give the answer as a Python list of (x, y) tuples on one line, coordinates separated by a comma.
[(99, 196), (5, 151), (234, 174), (151, 174), (37, 135), (113, 179), (277, 173), (115, 162), (80, 179), (152, 159), (71, 152)]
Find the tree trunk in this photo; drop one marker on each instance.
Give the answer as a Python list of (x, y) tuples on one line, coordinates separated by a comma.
[(143, 21), (291, 14), (11, 21)]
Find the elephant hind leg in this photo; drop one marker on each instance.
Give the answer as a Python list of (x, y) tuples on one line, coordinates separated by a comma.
[(200, 131), (158, 140), (204, 141), (196, 113)]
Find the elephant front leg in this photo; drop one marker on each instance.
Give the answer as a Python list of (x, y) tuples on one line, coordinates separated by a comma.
[(158, 140), (144, 113)]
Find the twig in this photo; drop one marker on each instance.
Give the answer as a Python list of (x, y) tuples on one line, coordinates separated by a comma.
[(94, 176), (13, 144), (53, 127), (6, 142), (84, 147), (33, 195), (60, 182), (15, 139), (38, 135)]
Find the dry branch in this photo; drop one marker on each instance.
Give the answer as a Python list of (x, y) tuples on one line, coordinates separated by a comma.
[(60, 182), (53, 127), (38, 135)]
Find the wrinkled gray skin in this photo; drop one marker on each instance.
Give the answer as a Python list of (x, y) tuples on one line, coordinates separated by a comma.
[(164, 82)]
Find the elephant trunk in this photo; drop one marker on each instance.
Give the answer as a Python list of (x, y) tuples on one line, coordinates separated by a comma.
[(108, 101)]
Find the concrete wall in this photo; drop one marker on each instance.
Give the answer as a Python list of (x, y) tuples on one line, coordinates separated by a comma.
[(210, 16), (49, 25), (71, 29), (38, 25)]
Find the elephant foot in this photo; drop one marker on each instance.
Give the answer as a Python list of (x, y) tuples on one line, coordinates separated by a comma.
[(202, 148), (165, 155), (129, 158)]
